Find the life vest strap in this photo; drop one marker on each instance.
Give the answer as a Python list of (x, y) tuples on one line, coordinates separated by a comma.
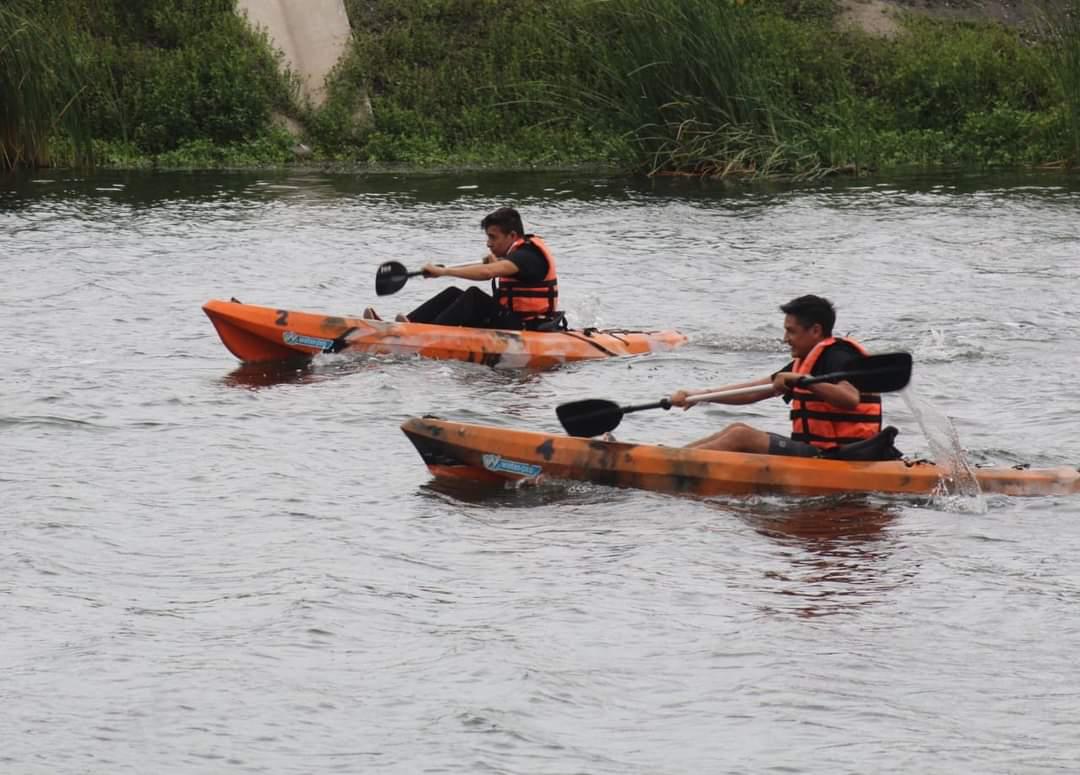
[(811, 438), (810, 414), (511, 282), (809, 398), (527, 294)]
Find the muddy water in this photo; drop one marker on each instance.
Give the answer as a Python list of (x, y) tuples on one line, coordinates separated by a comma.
[(212, 569)]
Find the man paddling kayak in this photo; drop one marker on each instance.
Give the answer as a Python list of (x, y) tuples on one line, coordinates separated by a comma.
[(824, 415), (524, 283)]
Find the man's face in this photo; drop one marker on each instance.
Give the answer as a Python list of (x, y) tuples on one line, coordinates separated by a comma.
[(499, 242), (801, 340)]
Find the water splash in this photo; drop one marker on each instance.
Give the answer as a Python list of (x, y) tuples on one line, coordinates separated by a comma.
[(938, 347), (958, 489), (587, 313)]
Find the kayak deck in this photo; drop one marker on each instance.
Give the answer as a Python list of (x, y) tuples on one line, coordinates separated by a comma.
[(494, 454), (261, 334)]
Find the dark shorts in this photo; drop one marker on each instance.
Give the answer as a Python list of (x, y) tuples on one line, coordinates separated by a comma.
[(782, 445)]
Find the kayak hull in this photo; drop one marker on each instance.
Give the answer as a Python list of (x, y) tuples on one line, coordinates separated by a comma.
[(492, 454), (262, 334)]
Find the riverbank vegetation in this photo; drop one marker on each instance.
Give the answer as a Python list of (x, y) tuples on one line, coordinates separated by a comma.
[(695, 87), (39, 90), (130, 83)]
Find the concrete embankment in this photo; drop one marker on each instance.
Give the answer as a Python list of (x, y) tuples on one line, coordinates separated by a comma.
[(312, 34)]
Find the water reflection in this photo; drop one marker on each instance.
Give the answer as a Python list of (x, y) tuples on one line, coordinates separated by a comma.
[(254, 376), (823, 523), (523, 494), (837, 549), (299, 372), (405, 188)]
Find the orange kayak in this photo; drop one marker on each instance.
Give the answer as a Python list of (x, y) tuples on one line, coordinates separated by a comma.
[(495, 454), (261, 334)]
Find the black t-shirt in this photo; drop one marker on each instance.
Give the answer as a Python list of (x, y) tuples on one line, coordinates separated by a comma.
[(531, 264), (839, 357)]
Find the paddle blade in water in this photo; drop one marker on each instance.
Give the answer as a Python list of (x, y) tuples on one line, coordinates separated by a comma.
[(590, 417), (390, 277), (881, 373)]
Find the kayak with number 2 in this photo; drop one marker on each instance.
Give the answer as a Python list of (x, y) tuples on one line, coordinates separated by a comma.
[(497, 454), (263, 334)]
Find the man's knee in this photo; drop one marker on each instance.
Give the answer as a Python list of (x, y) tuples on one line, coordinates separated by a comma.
[(740, 430), (476, 302), (746, 438), (449, 294)]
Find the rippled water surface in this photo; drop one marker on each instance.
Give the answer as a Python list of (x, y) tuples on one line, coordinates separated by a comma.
[(210, 569)]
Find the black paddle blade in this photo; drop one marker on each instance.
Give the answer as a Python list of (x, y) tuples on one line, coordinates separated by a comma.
[(882, 373), (390, 277), (590, 417)]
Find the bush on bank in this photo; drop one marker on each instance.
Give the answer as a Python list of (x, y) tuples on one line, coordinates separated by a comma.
[(704, 87), (40, 79), (469, 80), (152, 78)]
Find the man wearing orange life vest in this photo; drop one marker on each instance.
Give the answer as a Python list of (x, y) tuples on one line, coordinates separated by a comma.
[(524, 283), (824, 415)]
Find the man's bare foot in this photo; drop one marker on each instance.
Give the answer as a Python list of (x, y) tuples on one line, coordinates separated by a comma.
[(370, 314), (401, 318)]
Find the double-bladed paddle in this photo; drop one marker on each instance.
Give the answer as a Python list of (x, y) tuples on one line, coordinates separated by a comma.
[(871, 374), (391, 277)]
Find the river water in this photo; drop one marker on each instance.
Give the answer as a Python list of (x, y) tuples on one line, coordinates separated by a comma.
[(208, 569)]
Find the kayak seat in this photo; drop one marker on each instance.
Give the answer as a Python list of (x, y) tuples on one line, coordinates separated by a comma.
[(879, 447), (556, 321)]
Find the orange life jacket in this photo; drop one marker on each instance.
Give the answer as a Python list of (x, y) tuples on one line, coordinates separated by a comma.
[(529, 300), (824, 425)]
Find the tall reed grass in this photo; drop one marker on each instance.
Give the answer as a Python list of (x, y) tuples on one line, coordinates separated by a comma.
[(685, 79), (1061, 25), (41, 81)]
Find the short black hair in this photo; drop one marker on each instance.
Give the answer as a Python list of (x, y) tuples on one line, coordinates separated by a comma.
[(812, 309), (506, 219)]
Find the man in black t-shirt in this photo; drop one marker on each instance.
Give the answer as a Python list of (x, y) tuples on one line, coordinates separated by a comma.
[(512, 255), (825, 415)]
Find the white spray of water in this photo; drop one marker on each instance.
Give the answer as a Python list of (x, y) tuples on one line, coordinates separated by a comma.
[(958, 489), (587, 313)]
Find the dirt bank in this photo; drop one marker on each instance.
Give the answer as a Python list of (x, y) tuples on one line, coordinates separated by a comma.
[(879, 17)]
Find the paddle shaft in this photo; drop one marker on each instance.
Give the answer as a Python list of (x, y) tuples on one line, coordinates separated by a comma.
[(751, 389), (732, 393), (418, 272), (391, 276), (665, 403), (877, 374)]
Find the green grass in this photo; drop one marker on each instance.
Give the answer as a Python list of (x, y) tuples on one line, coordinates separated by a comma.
[(696, 87), (1061, 26), (158, 78), (727, 88), (42, 89), (680, 79), (448, 79)]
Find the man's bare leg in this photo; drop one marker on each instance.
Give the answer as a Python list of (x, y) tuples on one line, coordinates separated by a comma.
[(737, 437)]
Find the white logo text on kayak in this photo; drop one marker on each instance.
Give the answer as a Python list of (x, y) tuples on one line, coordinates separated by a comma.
[(499, 463)]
